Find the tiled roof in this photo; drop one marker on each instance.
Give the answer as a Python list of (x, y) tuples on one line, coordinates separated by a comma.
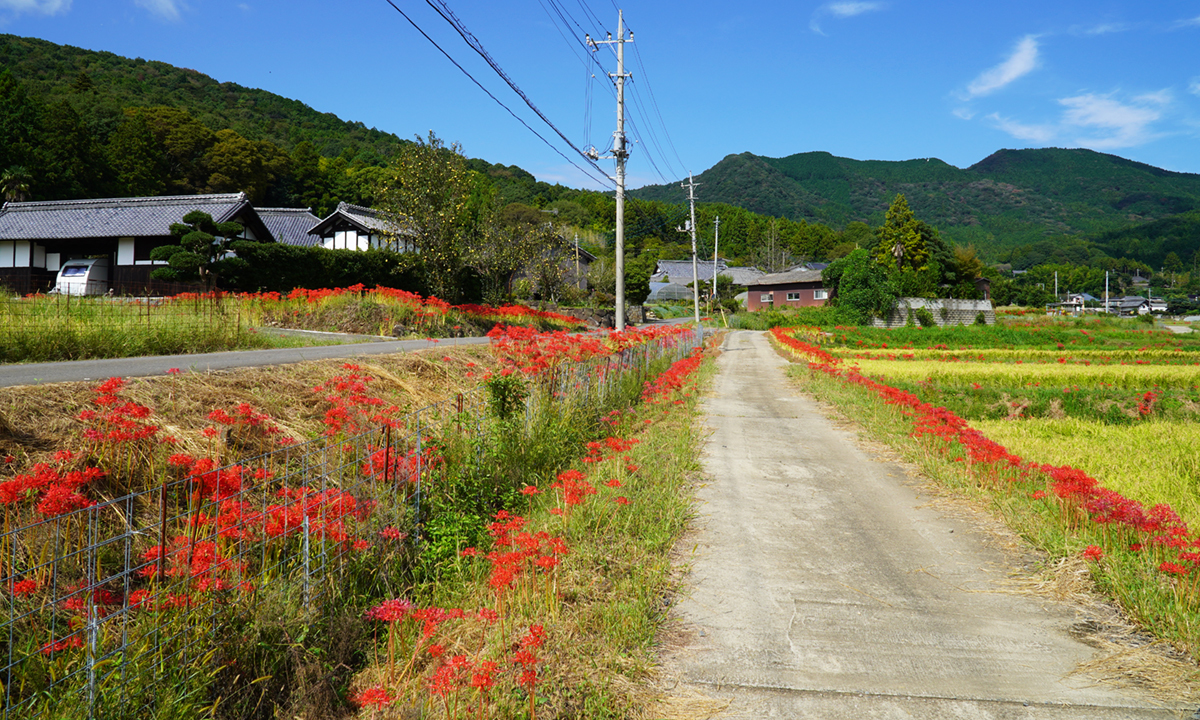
[(365, 218), (290, 226), (680, 271), (792, 276), (111, 218), (741, 275)]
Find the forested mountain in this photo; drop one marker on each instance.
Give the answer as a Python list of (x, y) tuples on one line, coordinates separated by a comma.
[(76, 123), (1011, 198), (108, 83)]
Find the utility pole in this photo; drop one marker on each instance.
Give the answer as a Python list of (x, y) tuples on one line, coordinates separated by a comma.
[(691, 188), (577, 276), (620, 154), (716, 239)]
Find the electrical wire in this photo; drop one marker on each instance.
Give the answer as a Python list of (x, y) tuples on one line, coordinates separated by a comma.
[(654, 101), (447, 14), (605, 181)]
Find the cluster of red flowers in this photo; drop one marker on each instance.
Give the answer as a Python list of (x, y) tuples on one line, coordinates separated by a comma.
[(353, 408), (454, 673), (117, 422), (673, 379), (52, 491), (1076, 491), (531, 352), (431, 306)]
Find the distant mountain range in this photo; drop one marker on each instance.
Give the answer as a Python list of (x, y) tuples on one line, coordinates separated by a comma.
[(1010, 198)]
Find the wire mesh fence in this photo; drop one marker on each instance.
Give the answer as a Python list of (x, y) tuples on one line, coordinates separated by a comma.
[(54, 327), (119, 606)]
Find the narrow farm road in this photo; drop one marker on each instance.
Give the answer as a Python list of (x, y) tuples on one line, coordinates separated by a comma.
[(822, 585)]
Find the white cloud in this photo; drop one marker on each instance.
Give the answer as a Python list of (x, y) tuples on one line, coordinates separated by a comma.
[(1194, 88), (1120, 124), (1102, 29), (1193, 22), (1022, 61), (850, 9), (1033, 133), (166, 9), (964, 113), (45, 7), (842, 9)]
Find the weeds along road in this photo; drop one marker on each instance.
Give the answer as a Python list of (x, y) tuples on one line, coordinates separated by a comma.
[(78, 370), (823, 586)]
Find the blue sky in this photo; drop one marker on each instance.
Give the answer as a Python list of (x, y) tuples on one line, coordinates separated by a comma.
[(882, 80)]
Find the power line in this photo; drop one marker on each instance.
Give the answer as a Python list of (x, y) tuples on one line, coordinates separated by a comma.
[(474, 44), (654, 102), (605, 181)]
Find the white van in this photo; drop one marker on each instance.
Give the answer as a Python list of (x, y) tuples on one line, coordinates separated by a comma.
[(83, 277)]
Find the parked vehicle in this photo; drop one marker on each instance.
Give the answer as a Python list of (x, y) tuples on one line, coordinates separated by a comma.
[(83, 277)]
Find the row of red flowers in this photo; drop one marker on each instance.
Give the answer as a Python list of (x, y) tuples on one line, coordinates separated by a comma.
[(1079, 495)]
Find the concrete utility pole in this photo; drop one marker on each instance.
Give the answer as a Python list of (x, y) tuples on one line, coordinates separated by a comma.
[(691, 188), (620, 154), (716, 239)]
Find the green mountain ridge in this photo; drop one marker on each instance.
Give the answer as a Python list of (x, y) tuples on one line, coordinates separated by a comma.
[(53, 72), (1010, 198)]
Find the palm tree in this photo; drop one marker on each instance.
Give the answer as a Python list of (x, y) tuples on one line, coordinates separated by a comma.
[(15, 184)]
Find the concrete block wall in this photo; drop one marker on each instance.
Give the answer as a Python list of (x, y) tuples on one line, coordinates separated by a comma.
[(945, 311)]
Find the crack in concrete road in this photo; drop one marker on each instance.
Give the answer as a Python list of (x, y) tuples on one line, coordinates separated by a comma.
[(822, 585)]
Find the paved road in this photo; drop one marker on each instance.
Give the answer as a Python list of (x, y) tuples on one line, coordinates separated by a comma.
[(823, 586), (40, 373)]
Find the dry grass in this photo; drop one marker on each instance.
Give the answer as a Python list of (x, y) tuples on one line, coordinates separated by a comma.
[(37, 420)]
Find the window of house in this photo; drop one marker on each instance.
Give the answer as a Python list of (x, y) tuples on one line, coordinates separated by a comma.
[(820, 294), (793, 296), (767, 297)]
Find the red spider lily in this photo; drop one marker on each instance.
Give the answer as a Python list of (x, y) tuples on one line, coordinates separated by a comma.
[(67, 643), (392, 533), (621, 500), (1093, 552), (376, 696), (1171, 568), (24, 588), (391, 611)]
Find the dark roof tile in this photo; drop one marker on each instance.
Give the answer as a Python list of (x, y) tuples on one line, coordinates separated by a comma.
[(111, 218)]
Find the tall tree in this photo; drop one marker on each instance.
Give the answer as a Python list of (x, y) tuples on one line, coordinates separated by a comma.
[(73, 161), (20, 123), (429, 186), (901, 244), (136, 158)]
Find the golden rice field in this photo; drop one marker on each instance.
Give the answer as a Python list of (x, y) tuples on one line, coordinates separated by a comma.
[(1132, 377), (1154, 461)]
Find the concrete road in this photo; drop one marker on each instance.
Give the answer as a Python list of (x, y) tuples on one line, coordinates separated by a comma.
[(52, 372), (823, 586)]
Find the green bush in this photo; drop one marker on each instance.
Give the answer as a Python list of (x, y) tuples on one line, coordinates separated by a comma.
[(925, 317), (275, 267)]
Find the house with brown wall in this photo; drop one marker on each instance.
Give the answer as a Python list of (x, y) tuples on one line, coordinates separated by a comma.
[(795, 288)]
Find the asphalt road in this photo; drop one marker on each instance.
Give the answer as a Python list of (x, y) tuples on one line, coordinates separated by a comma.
[(822, 585), (41, 373)]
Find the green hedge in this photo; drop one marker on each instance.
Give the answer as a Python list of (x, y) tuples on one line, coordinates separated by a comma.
[(274, 267)]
